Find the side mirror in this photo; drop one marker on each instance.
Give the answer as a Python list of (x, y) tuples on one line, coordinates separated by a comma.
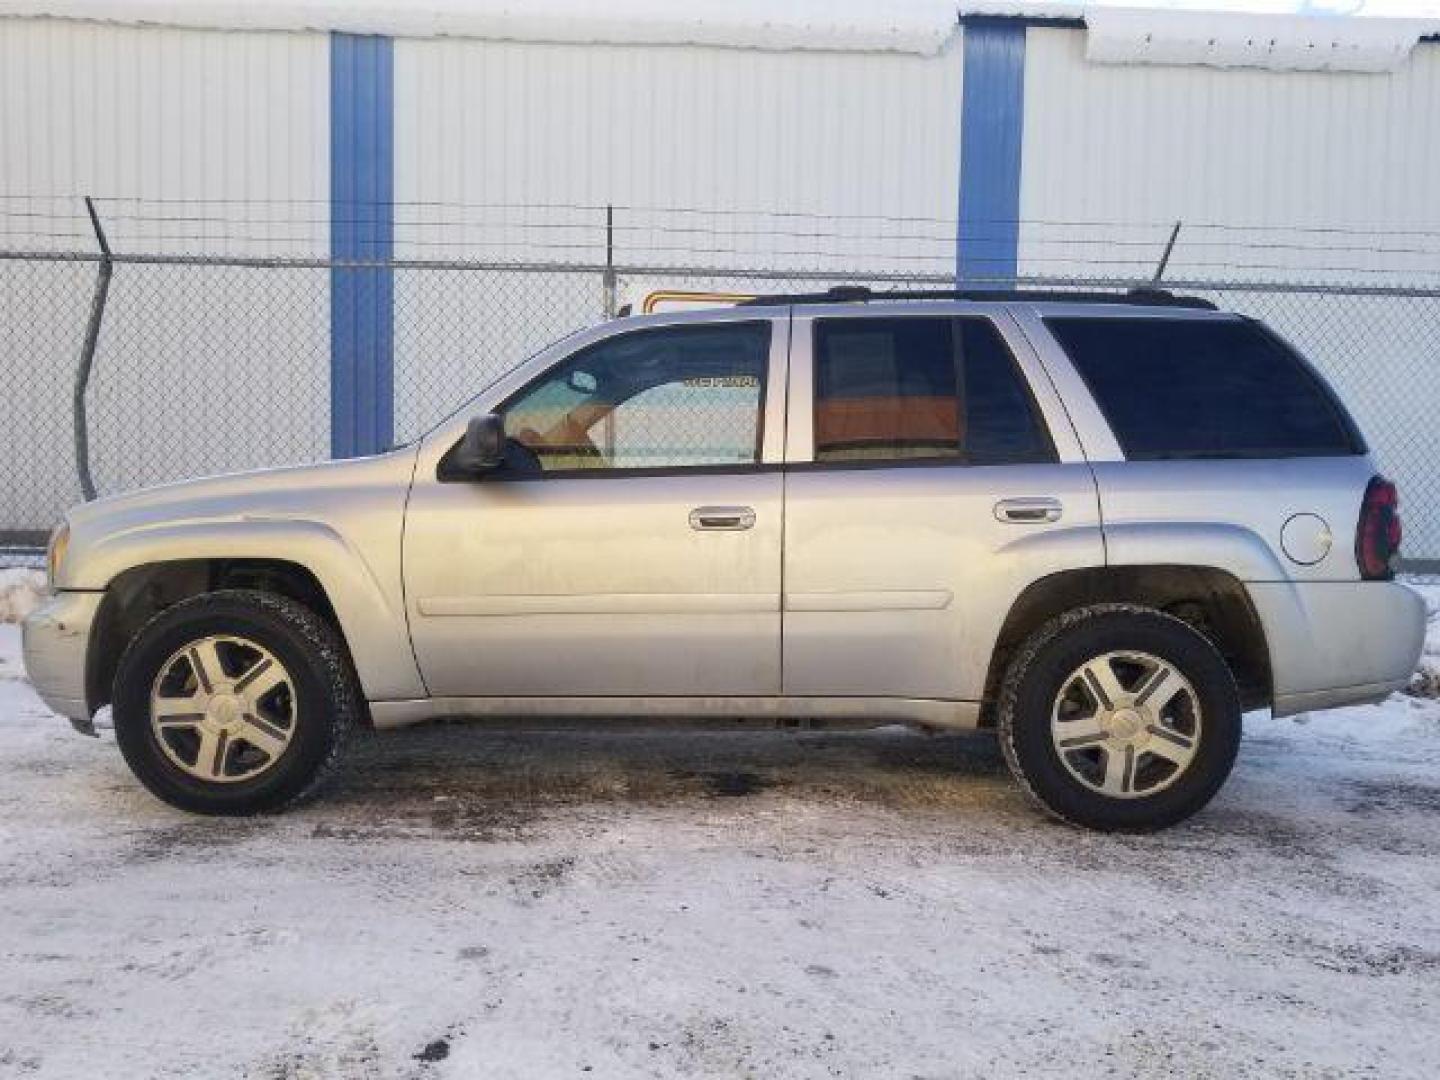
[(483, 447)]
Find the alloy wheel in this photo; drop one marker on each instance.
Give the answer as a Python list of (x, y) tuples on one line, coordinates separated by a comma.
[(1126, 724), (223, 709)]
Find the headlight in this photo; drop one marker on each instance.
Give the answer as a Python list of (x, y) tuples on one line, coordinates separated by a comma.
[(55, 553)]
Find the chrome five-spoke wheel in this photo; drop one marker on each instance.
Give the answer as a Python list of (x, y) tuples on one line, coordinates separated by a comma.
[(236, 701), (223, 709), (1120, 717), (1126, 724)]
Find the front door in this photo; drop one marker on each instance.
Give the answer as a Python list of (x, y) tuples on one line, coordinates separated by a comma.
[(630, 544)]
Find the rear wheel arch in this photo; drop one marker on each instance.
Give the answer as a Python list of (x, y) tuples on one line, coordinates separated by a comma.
[(1213, 601)]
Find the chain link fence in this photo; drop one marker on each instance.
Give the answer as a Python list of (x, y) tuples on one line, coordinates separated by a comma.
[(216, 364)]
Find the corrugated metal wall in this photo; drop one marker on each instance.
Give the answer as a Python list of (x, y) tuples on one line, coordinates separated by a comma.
[(1139, 144), (170, 115), (483, 128), (225, 135), (481, 122), (1338, 174), (510, 151)]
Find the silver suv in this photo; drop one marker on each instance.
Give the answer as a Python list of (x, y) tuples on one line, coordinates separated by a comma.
[(1103, 526)]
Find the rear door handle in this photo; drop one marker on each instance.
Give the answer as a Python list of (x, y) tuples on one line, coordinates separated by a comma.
[(722, 518), (1029, 511)]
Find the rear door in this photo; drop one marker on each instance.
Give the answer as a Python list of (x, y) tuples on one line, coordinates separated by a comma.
[(932, 474)]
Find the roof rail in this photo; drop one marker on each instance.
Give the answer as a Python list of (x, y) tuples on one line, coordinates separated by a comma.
[(858, 294)]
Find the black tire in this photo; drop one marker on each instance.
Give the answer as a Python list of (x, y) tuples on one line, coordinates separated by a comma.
[(327, 711), (1037, 675)]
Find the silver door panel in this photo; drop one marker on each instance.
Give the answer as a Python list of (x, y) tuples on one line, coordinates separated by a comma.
[(611, 584), (595, 586), (899, 578)]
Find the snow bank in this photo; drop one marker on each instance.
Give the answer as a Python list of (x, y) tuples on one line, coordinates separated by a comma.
[(20, 593), (907, 26), (1427, 677)]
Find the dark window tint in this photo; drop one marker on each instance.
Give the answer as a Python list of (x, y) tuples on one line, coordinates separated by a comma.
[(1204, 388), (921, 388)]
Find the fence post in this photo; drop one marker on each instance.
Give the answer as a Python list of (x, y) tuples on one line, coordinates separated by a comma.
[(87, 354), (607, 277), (1165, 255)]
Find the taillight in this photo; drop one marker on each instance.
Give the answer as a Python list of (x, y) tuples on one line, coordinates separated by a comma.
[(1377, 539)]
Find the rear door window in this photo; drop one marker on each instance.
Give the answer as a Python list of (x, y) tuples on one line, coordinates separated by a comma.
[(921, 388), (1204, 388)]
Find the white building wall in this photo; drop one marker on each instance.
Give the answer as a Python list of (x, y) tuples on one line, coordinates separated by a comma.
[(195, 141), (218, 141), (1145, 146), (511, 150), (156, 119), (1337, 173), (722, 129)]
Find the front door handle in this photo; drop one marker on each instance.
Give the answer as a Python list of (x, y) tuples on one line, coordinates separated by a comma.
[(722, 518), (1029, 511)]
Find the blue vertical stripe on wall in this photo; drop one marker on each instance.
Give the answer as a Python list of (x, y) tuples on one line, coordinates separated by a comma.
[(992, 121), (362, 226)]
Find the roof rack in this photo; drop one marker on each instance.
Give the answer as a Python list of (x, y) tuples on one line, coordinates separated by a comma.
[(847, 294)]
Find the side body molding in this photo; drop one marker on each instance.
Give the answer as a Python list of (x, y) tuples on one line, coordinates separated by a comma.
[(371, 616)]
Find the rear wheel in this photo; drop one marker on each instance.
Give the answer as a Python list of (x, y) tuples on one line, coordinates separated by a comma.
[(234, 702), (1120, 717)]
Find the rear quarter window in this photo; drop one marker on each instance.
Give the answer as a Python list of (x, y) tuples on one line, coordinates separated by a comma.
[(1205, 388)]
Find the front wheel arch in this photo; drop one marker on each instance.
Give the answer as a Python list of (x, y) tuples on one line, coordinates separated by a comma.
[(137, 595)]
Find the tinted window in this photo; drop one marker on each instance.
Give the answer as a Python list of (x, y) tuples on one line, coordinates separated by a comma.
[(673, 397), (921, 388), (1204, 388)]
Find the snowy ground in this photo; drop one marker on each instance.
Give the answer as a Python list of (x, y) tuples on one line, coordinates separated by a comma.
[(477, 905)]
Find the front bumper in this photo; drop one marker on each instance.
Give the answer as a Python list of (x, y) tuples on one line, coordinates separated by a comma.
[(56, 636), (1337, 642)]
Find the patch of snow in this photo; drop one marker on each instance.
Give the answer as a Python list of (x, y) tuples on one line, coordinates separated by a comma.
[(469, 903), (21, 591), (1270, 38), (1427, 676)]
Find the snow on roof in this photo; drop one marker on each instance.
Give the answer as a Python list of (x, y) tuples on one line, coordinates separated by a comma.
[(1276, 42), (1271, 39), (1114, 34), (909, 26)]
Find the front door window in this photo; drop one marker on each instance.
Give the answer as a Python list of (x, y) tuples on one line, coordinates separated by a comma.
[(673, 397)]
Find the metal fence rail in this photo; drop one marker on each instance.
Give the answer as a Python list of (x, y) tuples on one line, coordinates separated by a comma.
[(207, 364)]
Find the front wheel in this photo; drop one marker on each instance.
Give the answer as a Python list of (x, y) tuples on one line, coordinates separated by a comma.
[(1120, 717), (234, 702)]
